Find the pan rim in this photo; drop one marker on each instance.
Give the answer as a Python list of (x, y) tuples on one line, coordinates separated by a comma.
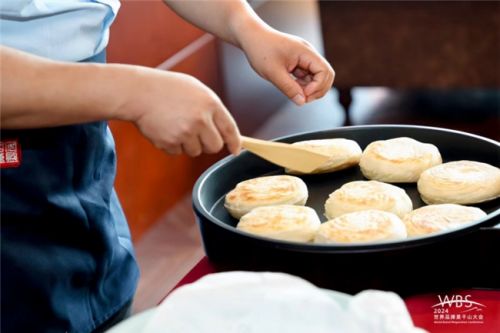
[(350, 247)]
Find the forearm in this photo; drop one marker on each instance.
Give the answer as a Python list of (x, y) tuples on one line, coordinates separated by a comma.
[(227, 19), (175, 111), (37, 92)]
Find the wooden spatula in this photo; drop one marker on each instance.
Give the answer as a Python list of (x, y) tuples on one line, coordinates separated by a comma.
[(286, 155)]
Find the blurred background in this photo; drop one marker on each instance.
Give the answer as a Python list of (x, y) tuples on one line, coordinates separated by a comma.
[(402, 62)]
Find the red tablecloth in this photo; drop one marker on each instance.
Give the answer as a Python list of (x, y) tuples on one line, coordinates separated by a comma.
[(452, 311)]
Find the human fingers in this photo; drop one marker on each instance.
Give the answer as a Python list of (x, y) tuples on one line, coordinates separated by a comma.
[(288, 85), (228, 130), (211, 139), (320, 71), (173, 149), (192, 146), (302, 77), (299, 73)]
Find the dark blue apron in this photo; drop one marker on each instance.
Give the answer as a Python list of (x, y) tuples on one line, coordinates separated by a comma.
[(67, 262)]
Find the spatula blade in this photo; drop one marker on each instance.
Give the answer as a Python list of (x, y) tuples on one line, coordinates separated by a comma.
[(286, 155)]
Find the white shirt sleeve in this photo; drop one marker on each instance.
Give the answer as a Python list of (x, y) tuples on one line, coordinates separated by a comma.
[(68, 30)]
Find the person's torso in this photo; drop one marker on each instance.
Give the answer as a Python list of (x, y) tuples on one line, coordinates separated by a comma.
[(66, 252)]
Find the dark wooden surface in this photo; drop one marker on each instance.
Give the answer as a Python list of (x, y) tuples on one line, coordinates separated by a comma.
[(413, 44)]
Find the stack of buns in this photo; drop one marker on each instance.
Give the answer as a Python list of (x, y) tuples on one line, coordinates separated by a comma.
[(273, 206), (368, 210)]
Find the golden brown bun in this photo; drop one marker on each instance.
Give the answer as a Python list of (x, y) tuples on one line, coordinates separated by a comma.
[(265, 191), (363, 226), (363, 195), (285, 222), (460, 182), (399, 160), (344, 154), (436, 218)]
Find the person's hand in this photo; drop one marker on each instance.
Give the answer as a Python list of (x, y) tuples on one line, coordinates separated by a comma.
[(289, 62), (176, 112), (179, 114)]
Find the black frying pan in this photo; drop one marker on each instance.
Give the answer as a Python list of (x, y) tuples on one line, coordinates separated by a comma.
[(460, 258)]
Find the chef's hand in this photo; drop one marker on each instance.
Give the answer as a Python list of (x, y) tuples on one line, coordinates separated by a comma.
[(274, 55), (287, 61), (179, 114), (175, 111)]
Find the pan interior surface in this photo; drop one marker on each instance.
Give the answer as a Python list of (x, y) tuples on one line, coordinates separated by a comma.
[(221, 178)]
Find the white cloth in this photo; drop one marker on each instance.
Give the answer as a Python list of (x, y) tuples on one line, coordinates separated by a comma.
[(247, 302)]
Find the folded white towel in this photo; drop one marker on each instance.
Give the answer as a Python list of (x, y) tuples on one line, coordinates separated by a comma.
[(249, 302)]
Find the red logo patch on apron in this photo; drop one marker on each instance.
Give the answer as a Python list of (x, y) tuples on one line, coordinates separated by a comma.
[(10, 154)]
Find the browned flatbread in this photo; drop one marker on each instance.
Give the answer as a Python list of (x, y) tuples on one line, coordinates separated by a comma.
[(285, 222), (344, 154), (363, 195), (363, 226), (265, 191), (435, 218), (399, 160), (460, 182)]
